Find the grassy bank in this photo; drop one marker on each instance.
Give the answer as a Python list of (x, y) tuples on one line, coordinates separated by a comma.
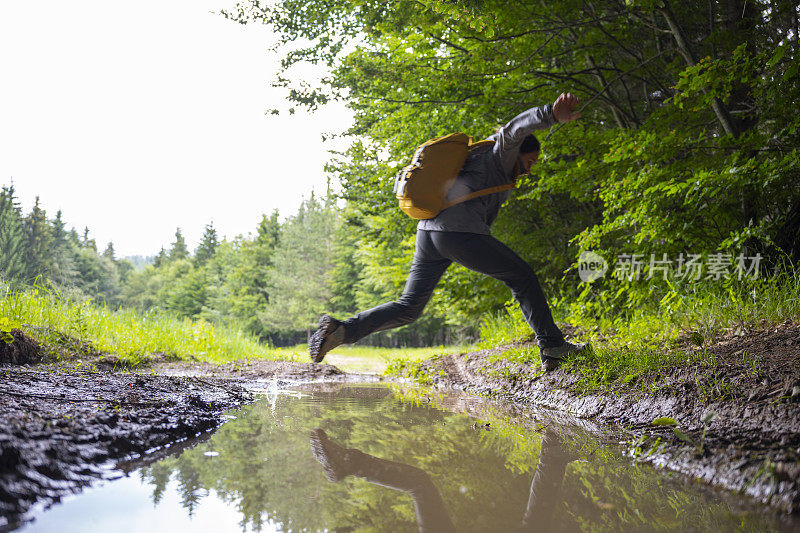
[(67, 327), (630, 336), (637, 335)]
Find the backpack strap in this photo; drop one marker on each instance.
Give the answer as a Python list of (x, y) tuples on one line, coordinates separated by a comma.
[(479, 144), (476, 194), (483, 192)]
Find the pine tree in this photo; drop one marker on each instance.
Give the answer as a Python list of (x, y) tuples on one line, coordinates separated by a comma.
[(38, 241), (299, 288), (344, 274), (63, 268), (12, 237), (108, 253), (268, 232), (178, 250), (59, 231), (160, 258), (264, 251), (109, 287), (208, 246), (88, 243), (187, 295)]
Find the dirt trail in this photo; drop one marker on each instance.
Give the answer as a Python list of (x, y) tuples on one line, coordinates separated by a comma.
[(252, 369)]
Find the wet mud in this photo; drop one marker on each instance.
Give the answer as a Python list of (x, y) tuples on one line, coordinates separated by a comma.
[(16, 348), (738, 421), (253, 369), (61, 431)]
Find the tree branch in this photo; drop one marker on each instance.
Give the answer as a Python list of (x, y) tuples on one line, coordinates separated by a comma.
[(445, 41)]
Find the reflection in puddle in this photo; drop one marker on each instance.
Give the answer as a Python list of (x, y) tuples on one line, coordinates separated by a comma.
[(326, 459), (126, 505), (338, 463)]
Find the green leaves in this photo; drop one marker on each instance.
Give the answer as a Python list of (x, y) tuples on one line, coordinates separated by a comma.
[(664, 421), (780, 51), (696, 339), (684, 437), (6, 325)]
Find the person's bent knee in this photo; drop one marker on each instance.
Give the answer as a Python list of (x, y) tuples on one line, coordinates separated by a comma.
[(410, 316), (521, 285), (410, 312)]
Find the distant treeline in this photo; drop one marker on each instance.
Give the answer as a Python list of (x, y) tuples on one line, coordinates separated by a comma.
[(274, 283)]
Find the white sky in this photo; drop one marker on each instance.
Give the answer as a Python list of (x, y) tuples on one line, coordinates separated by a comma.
[(135, 118)]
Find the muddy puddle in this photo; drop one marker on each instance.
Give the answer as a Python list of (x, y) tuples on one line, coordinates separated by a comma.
[(374, 457)]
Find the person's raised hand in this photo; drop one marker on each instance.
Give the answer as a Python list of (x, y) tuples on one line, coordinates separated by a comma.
[(564, 108)]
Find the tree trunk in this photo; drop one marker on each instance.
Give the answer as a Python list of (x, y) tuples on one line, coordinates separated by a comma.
[(723, 116)]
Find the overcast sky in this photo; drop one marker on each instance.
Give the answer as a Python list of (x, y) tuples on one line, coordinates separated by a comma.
[(135, 118)]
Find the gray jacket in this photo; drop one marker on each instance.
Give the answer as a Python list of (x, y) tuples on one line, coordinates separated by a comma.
[(488, 167)]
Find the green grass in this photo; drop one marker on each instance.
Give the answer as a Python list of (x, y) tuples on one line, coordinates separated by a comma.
[(523, 355), (133, 337), (503, 328), (629, 340), (413, 370)]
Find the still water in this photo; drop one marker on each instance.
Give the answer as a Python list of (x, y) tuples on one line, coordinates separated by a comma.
[(335, 457)]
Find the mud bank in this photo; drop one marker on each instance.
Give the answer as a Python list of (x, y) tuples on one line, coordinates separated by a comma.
[(253, 369), (738, 427), (60, 431)]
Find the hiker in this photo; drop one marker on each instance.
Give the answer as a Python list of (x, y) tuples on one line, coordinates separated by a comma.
[(461, 233)]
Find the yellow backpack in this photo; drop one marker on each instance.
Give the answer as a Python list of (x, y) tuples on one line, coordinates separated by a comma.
[(421, 187)]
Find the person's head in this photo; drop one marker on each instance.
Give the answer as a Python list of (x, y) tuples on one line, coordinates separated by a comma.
[(528, 153)]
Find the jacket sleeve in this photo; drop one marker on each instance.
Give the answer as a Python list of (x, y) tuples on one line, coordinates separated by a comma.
[(508, 140)]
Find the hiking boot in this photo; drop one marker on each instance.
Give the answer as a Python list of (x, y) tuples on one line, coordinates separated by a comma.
[(552, 357), (333, 458), (328, 336)]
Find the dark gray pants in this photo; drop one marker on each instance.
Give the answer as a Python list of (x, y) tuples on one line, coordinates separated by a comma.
[(435, 251)]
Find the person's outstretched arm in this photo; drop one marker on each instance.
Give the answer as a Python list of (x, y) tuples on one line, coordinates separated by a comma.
[(510, 136)]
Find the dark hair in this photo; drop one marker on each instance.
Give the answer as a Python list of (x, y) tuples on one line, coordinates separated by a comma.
[(530, 144)]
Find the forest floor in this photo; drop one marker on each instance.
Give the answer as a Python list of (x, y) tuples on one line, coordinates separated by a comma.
[(730, 421)]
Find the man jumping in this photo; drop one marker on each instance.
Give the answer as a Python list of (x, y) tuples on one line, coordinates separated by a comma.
[(461, 233)]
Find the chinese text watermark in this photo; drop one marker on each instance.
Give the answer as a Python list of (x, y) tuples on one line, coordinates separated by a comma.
[(686, 267)]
